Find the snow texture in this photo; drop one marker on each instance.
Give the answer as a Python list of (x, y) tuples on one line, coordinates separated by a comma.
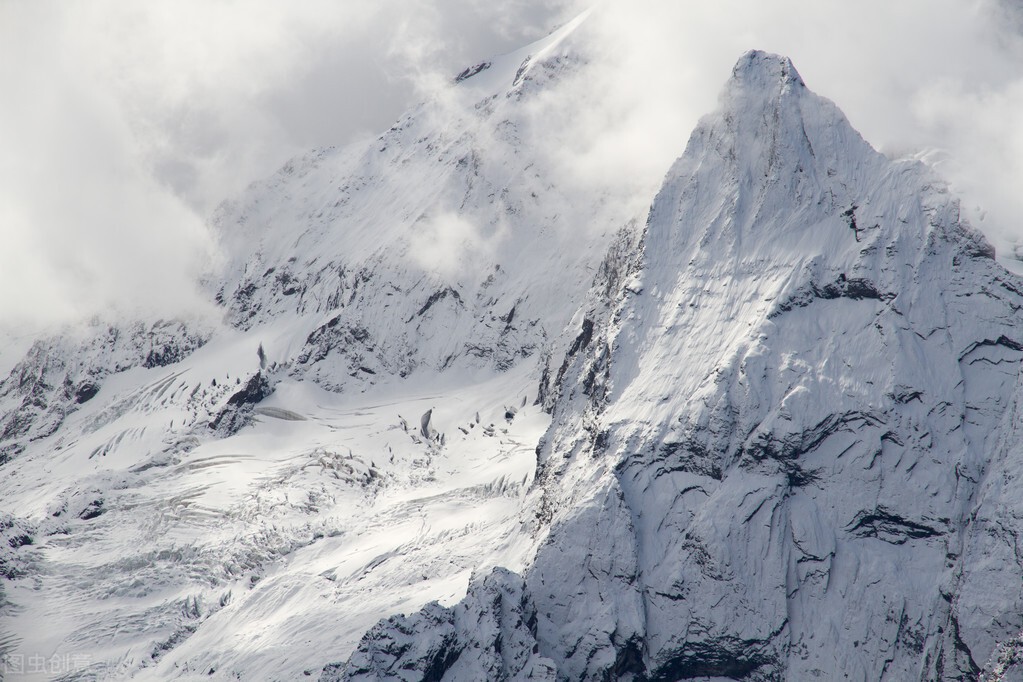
[(462, 423)]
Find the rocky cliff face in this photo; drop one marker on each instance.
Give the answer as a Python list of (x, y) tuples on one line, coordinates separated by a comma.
[(785, 438)]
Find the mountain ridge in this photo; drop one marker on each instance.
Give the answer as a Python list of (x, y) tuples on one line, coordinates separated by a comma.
[(654, 474), (765, 427)]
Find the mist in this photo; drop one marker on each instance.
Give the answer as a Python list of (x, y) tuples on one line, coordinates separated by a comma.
[(125, 124), (937, 80)]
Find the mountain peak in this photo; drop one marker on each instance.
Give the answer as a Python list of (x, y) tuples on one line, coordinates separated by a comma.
[(761, 80), (760, 70), (784, 392), (499, 73), (772, 140)]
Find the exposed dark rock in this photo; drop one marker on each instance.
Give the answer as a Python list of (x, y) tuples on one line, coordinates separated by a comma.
[(60, 373), (94, 509), (888, 526), (730, 658), (489, 636), (436, 297), (417, 647), (20, 541), (471, 71), (856, 289), (237, 413), (583, 339), (86, 392), (255, 390), (792, 446), (1003, 341)]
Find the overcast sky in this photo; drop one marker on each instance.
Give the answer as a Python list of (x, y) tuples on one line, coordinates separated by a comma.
[(124, 123)]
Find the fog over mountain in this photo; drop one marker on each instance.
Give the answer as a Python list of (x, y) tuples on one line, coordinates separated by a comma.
[(129, 123), (646, 341)]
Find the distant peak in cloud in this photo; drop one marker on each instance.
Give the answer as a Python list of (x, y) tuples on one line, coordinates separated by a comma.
[(501, 72)]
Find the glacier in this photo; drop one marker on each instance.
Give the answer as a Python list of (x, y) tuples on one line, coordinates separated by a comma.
[(461, 421)]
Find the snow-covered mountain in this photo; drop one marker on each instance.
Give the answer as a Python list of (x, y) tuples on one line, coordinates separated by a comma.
[(783, 444), (766, 427)]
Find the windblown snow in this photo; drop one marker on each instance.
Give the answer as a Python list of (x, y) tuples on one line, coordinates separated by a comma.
[(462, 422)]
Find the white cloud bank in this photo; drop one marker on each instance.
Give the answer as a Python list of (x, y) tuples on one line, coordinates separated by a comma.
[(124, 123), (937, 77)]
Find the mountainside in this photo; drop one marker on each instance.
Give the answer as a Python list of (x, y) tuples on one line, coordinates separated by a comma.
[(443, 243), (783, 448), (766, 427), (357, 436)]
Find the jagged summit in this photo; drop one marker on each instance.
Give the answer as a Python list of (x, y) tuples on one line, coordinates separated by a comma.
[(773, 136), (759, 70), (788, 174)]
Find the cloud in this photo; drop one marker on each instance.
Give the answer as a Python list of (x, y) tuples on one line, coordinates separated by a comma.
[(940, 80), (447, 243), (131, 121), (126, 123), (980, 131), (80, 215), (915, 76)]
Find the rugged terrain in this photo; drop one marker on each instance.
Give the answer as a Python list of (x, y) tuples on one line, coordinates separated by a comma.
[(783, 443), (764, 427)]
